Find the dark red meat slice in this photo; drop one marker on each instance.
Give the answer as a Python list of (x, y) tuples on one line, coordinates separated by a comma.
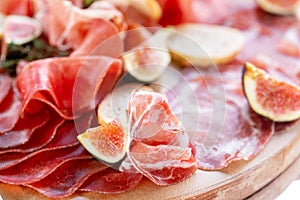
[(65, 180), (40, 164), (181, 11), (23, 130), (5, 86), (110, 181), (66, 134), (10, 108), (71, 86), (40, 137), (10, 159)]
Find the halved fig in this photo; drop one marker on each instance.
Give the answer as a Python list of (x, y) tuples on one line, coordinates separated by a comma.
[(107, 142), (114, 105), (279, 7), (201, 45), (274, 99), (21, 29), (146, 63)]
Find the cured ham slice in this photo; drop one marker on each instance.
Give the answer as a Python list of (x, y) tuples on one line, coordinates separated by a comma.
[(180, 11), (5, 86), (39, 138), (160, 148), (16, 7), (10, 108), (23, 130), (99, 31), (65, 180), (66, 134), (70, 27), (65, 137), (40, 164), (110, 181), (71, 86)]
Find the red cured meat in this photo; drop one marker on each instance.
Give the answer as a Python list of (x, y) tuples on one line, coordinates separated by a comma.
[(71, 86), (181, 11), (5, 86), (111, 181), (159, 148), (10, 159), (23, 130), (16, 7), (66, 134), (40, 164), (65, 180), (98, 32), (40, 137), (68, 26), (65, 137), (10, 108)]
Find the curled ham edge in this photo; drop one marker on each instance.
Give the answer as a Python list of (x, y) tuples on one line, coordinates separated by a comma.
[(100, 76)]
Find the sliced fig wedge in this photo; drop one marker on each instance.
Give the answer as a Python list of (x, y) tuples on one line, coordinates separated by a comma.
[(107, 142), (269, 97)]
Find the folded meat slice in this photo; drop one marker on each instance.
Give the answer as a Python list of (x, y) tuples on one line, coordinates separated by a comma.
[(65, 137), (10, 105), (5, 86), (68, 177), (23, 129), (70, 27), (160, 148), (71, 86), (40, 164), (16, 7), (110, 181)]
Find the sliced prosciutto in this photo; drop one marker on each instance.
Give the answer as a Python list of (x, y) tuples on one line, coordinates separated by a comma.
[(65, 180), (16, 7), (110, 181), (10, 105), (70, 27), (71, 86), (40, 164), (159, 148)]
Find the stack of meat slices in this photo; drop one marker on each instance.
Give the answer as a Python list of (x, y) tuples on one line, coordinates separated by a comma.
[(38, 141)]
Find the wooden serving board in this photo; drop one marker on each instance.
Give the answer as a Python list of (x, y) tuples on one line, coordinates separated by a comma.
[(238, 181)]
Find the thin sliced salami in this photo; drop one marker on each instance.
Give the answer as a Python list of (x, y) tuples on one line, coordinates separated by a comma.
[(65, 180), (111, 181), (40, 137), (40, 164), (10, 108), (23, 130), (5, 86)]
